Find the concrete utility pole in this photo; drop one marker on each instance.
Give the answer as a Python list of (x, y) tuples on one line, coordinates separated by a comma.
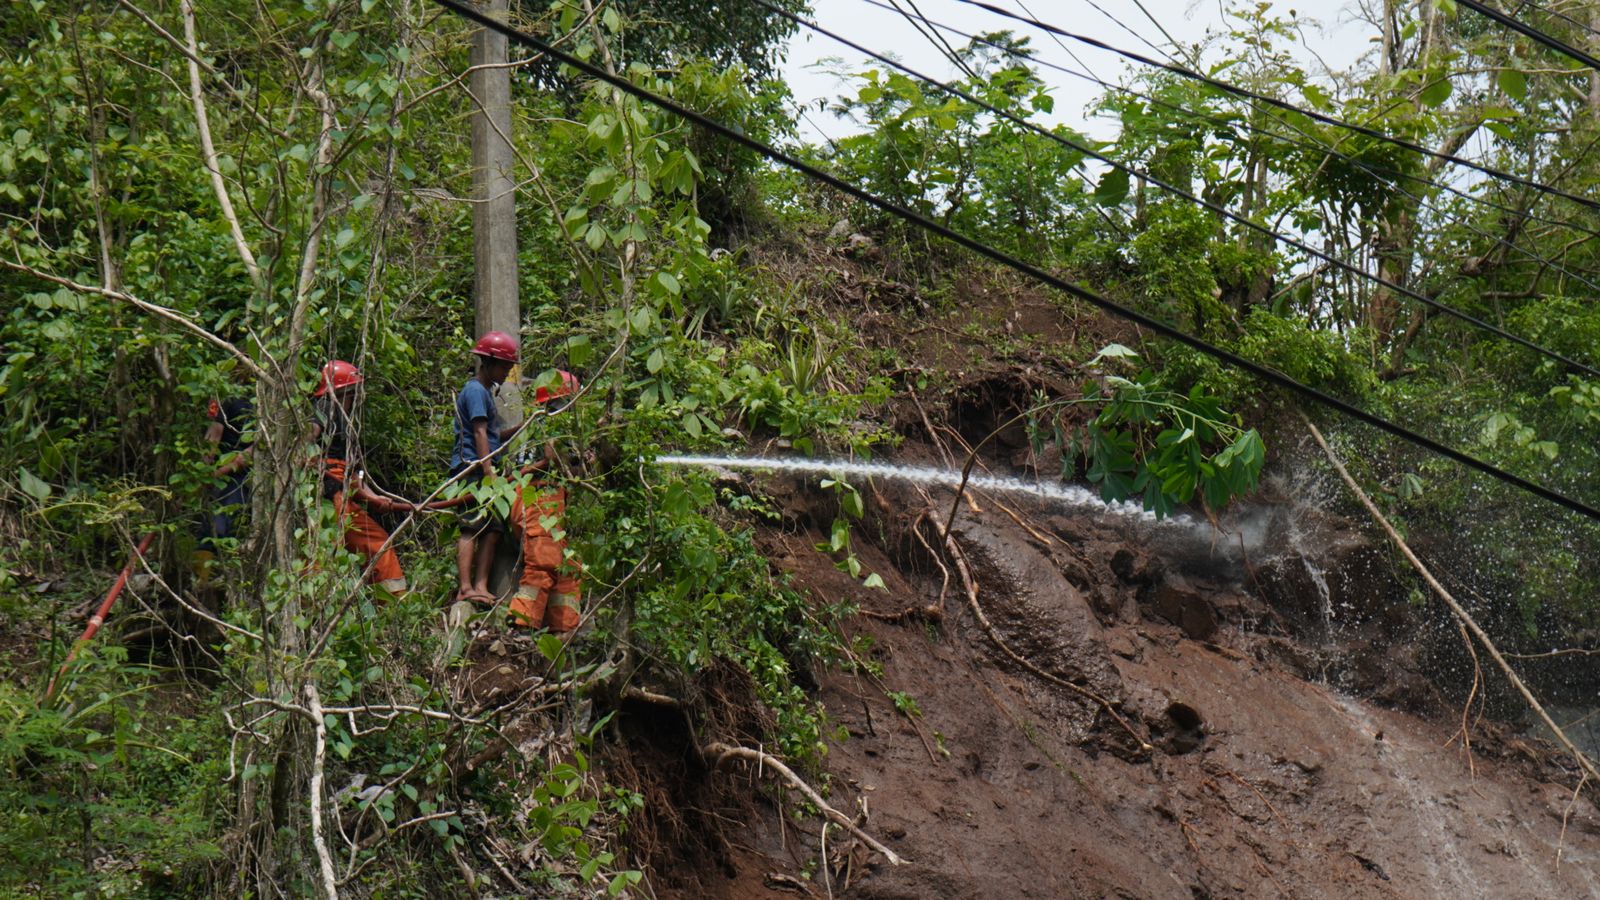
[(494, 236), (494, 215), (1594, 47)]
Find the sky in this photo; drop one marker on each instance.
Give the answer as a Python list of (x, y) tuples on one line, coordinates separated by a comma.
[(1336, 39)]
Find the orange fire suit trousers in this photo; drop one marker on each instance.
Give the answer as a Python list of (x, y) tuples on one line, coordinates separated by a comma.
[(549, 594), (363, 535)]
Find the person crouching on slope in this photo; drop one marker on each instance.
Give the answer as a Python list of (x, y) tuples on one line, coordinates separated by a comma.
[(477, 430), (335, 437), (549, 594)]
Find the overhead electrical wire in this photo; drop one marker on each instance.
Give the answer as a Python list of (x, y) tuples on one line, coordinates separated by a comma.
[(1120, 24), (1267, 374), (1556, 13), (1059, 42), (1442, 185), (1534, 34), (933, 37), (1176, 191), (1586, 202), (1379, 173)]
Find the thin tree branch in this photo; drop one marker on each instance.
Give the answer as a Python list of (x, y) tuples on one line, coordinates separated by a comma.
[(719, 752), (1466, 618), (330, 882), (162, 312), (208, 151)]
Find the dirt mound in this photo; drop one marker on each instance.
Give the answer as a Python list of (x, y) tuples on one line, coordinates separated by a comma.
[(1264, 781)]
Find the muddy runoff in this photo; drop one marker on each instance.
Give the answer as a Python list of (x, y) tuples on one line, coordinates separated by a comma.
[(1303, 725)]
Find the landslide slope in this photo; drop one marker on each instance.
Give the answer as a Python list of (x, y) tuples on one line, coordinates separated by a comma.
[(1263, 779), (1305, 729)]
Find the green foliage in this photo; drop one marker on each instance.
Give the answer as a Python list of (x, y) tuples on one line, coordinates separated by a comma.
[(726, 35), (1175, 280), (1165, 447), (960, 164), (104, 794)]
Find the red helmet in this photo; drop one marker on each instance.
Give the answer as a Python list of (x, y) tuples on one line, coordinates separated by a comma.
[(335, 375), (568, 386), (497, 345)]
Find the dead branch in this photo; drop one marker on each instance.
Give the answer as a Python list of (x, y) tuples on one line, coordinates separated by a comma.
[(719, 753), (958, 556), (329, 881), (162, 312), (1460, 613), (1566, 814), (938, 442), (208, 151), (1551, 654), (1466, 707), (928, 613), (643, 696)]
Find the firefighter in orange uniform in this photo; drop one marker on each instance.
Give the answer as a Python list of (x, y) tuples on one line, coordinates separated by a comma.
[(334, 436), (549, 594)]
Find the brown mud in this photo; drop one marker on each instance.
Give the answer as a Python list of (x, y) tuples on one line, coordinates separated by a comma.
[(1264, 780), (1304, 719)]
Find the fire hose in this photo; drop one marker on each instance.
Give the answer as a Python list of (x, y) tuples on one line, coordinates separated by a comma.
[(99, 617)]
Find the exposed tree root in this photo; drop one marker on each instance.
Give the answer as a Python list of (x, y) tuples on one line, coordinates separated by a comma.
[(1461, 614), (944, 571), (1465, 731), (959, 557), (1566, 814), (927, 613), (718, 753)]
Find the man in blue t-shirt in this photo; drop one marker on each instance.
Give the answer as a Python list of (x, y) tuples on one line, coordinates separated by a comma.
[(478, 437)]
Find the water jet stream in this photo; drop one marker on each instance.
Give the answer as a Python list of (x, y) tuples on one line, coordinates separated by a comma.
[(1069, 495)]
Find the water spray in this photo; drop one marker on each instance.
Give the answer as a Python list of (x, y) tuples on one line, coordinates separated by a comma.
[(1070, 495)]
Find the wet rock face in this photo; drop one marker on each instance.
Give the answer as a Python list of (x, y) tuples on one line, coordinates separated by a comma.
[(1178, 601)]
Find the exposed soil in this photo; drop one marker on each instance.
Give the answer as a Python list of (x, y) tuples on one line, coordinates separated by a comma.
[(1300, 744), (1265, 782)]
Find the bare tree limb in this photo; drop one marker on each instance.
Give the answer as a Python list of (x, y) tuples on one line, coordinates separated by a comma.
[(208, 151), (1466, 618), (330, 882), (959, 557), (719, 752), (163, 312)]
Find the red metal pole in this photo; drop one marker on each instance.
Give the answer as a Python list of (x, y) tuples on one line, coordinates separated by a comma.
[(99, 617)]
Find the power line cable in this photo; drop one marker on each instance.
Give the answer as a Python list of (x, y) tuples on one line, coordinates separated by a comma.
[(942, 43), (1532, 33), (1179, 192), (933, 37), (1316, 147), (1289, 123), (1059, 43), (1120, 24), (1234, 89), (1270, 375), (1562, 16), (1380, 173), (1156, 22)]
